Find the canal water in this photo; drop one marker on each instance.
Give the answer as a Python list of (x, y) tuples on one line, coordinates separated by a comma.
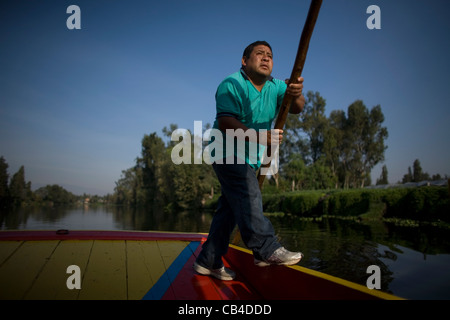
[(414, 260)]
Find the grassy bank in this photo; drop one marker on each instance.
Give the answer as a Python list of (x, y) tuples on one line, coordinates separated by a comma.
[(423, 204), (420, 204)]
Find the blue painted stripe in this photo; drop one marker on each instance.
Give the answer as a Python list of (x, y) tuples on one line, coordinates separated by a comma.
[(163, 284)]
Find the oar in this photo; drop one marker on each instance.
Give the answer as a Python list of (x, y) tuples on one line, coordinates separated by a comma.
[(308, 28)]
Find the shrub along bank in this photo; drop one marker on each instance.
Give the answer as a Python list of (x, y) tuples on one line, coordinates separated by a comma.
[(429, 203)]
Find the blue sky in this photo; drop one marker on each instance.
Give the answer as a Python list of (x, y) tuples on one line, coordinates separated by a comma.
[(75, 104)]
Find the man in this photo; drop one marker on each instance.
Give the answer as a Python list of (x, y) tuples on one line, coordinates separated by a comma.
[(248, 99)]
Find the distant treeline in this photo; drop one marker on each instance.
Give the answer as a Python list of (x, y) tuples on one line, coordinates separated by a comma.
[(16, 191)]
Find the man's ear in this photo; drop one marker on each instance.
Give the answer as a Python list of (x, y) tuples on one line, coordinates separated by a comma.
[(244, 61)]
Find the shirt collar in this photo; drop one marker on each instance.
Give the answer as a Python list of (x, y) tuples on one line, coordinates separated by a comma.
[(270, 78)]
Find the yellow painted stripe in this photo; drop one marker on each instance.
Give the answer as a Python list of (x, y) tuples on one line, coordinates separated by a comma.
[(342, 282), (51, 283), (106, 273), (19, 272)]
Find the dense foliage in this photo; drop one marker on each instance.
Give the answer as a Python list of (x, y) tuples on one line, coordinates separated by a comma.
[(338, 151), (427, 203), (156, 180)]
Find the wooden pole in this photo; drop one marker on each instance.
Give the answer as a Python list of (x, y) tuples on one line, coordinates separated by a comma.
[(302, 50)]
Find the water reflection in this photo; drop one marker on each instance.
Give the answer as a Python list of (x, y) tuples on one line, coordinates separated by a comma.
[(103, 218), (334, 246), (345, 248), (413, 260)]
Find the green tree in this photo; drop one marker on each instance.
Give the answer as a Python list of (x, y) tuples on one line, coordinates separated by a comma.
[(190, 183), (4, 178), (294, 171), (319, 176), (383, 177), (129, 188), (55, 194), (364, 141), (349, 145), (314, 123), (334, 144), (408, 177), (19, 190), (167, 132), (294, 143), (418, 173), (154, 157), (161, 182)]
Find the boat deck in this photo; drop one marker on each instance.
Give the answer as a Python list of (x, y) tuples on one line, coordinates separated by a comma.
[(135, 265), (131, 265)]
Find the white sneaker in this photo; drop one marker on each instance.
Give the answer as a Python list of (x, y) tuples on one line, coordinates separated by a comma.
[(281, 256), (221, 273)]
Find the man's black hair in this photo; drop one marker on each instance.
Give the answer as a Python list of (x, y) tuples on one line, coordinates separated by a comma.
[(250, 47)]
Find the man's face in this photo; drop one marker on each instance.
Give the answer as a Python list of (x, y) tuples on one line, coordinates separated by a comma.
[(260, 61)]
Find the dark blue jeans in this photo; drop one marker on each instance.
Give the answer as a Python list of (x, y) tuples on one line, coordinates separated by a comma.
[(241, 204)]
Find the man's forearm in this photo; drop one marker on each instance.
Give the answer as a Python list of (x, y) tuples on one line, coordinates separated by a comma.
[(230, 123), (297, 105)]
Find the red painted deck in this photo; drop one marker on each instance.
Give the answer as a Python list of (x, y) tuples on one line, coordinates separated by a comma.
[(188, 285)]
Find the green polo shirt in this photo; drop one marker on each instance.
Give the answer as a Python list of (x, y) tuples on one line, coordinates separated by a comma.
[(237, 97)]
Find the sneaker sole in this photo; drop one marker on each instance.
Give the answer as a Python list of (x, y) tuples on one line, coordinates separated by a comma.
[(206, 272), (260, 263)]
